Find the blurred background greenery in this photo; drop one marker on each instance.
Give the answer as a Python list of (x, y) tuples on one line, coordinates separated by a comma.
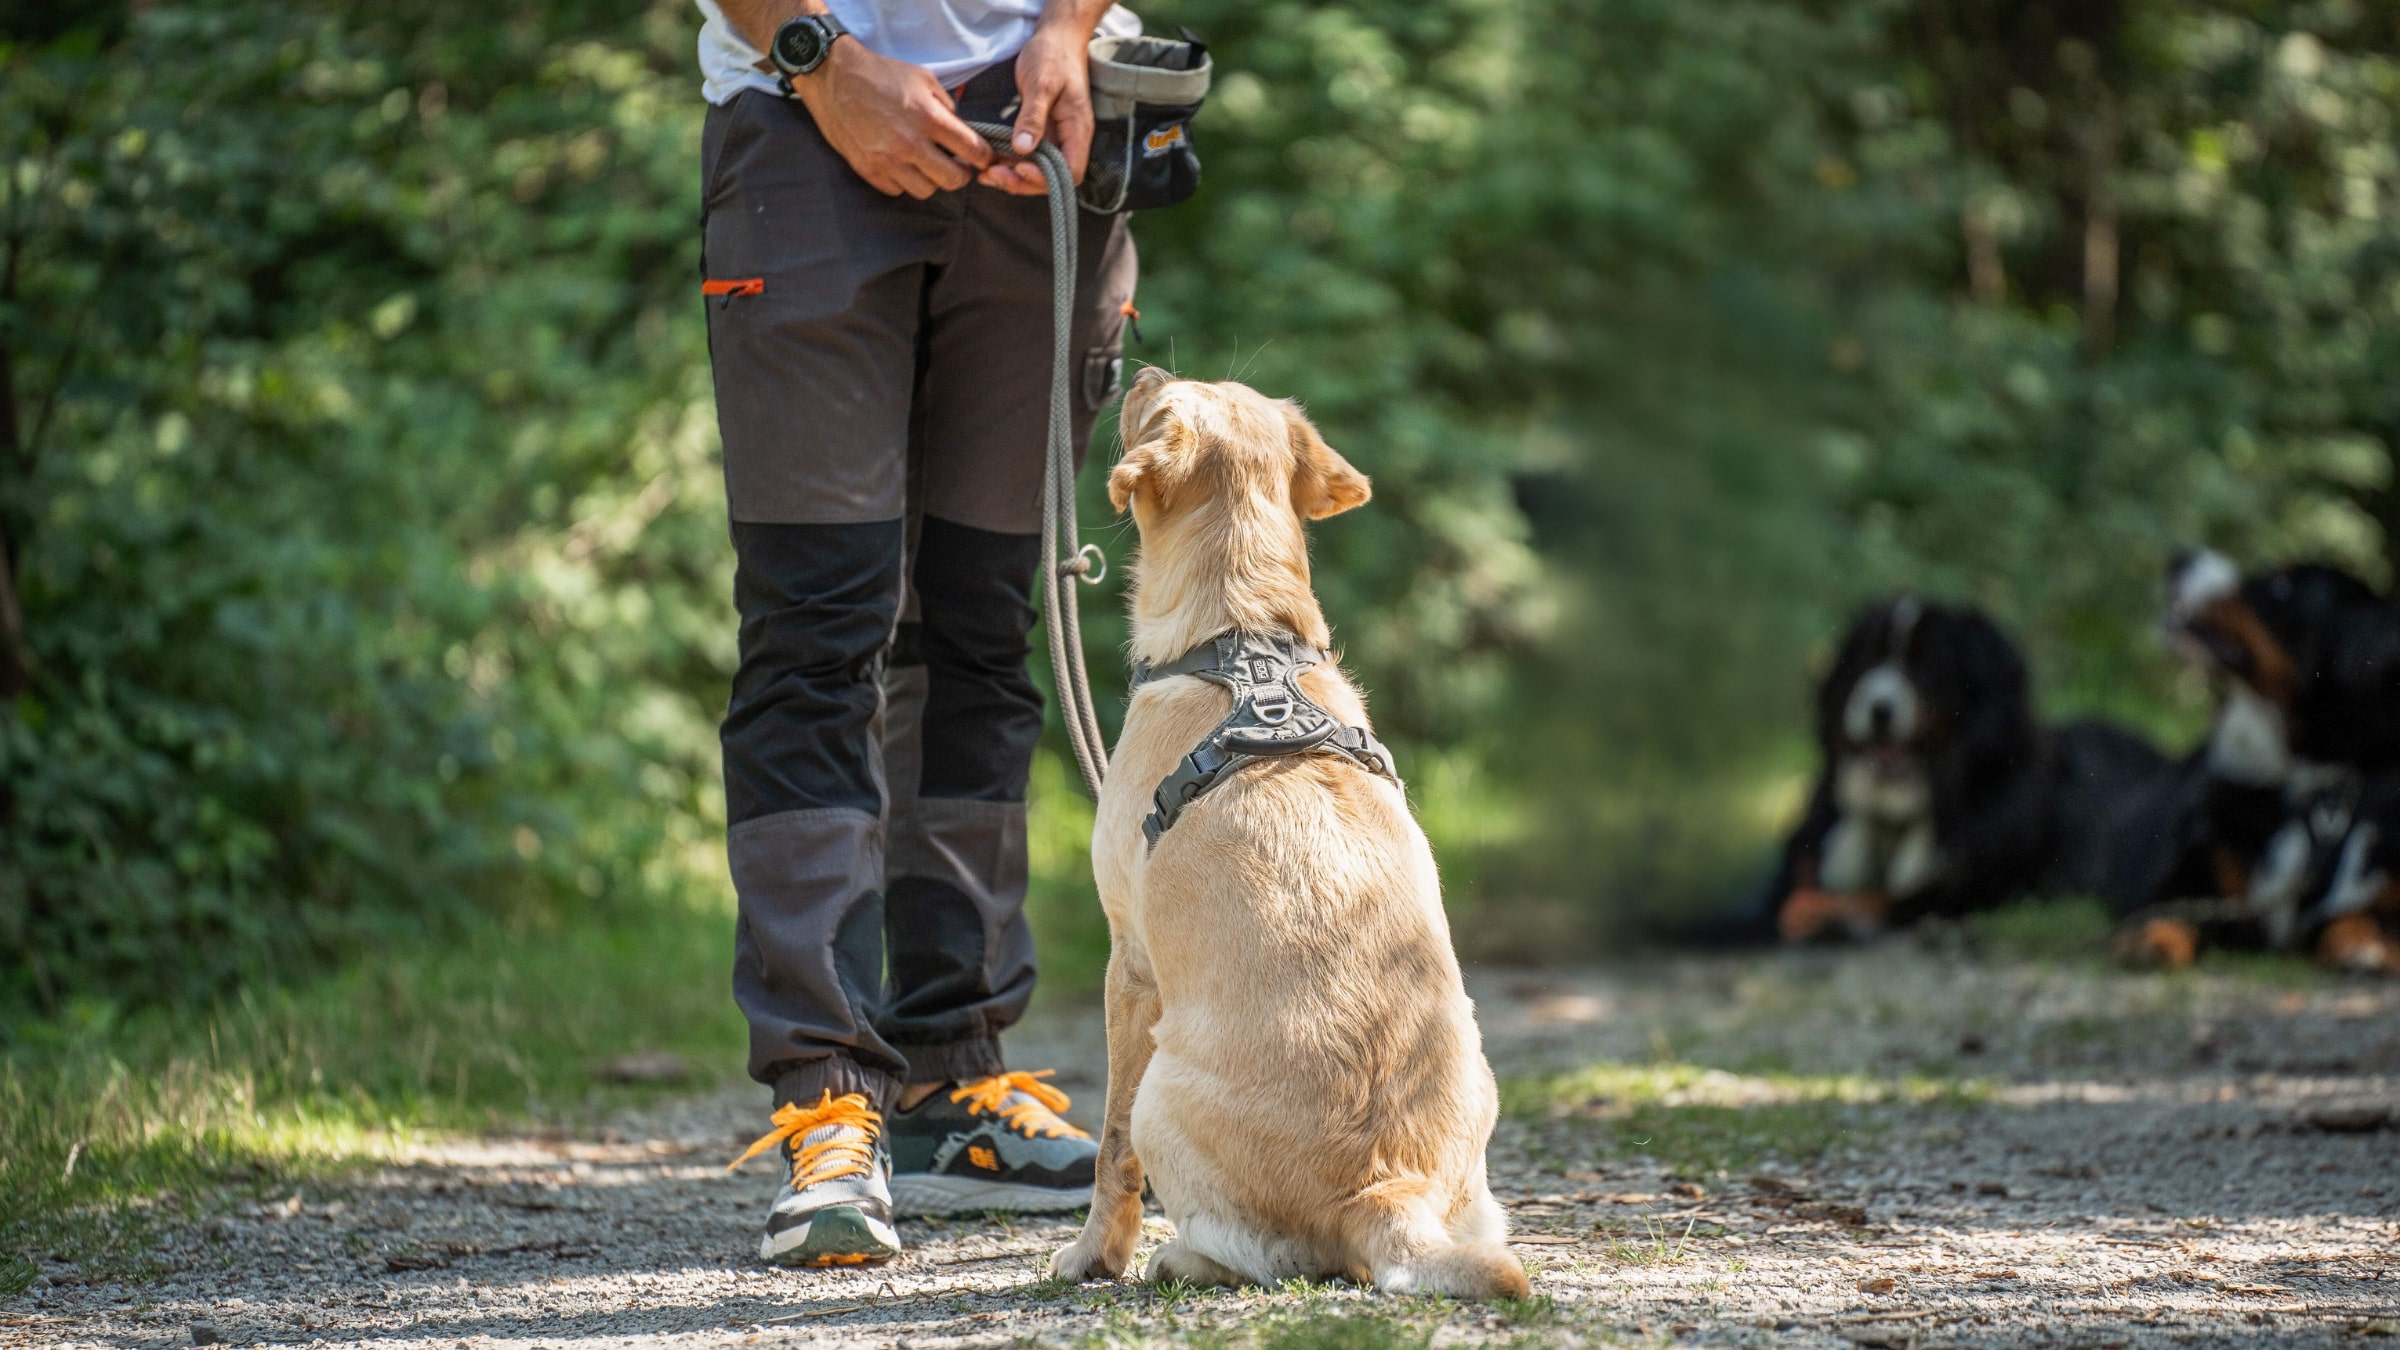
[(366, 602)]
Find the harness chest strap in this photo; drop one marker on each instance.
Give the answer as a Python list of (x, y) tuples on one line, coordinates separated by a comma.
[(1271, 717)]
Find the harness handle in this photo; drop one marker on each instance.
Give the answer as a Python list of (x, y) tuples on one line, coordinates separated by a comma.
[(1062, 554)]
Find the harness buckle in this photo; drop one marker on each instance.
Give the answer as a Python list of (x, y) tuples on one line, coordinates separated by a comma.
[(1272, 703)]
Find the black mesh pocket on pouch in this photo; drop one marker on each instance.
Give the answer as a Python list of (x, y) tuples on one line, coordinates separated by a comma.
[(1145, 92), (1143, 160)]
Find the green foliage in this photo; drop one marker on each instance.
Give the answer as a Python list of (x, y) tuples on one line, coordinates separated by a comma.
[(1672, 333), (365, 569), (359, 490)]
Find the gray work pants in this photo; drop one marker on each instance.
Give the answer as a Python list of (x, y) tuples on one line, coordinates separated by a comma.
[(882, 370)]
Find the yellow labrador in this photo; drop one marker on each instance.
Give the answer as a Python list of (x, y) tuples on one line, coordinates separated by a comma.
[(1292, 1056)]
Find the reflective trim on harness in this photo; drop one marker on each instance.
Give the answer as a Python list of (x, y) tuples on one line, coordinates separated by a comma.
[(1271, 716)]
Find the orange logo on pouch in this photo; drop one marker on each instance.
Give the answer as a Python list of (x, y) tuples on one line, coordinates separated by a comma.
[(1162, 140)]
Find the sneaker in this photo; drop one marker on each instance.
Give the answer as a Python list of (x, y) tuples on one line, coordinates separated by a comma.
[(994, 1143), (835, 1208)]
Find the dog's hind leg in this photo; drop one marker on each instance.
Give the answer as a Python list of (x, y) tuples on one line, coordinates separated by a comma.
[(1480, 1219), (1181, 1261), (1410, 1251), (1105, 1247)]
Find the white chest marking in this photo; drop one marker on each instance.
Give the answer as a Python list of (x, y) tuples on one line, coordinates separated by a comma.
[(2249, 744)]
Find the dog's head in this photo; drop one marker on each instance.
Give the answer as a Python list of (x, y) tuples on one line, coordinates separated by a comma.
[(1220, 479), (1191, 443), (2306, 659), (1917, 692)]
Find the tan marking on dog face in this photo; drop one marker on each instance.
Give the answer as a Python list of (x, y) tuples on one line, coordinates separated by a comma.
[(2272, 673)]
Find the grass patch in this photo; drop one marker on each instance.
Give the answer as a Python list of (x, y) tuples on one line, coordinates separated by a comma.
[(108, 1121), (1657, 1244), (1344, 1331), (2268, 970), (2074, 930), (1701, 1121)]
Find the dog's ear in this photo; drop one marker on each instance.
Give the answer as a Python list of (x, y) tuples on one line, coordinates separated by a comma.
[(1156, 435), (1324, 484)]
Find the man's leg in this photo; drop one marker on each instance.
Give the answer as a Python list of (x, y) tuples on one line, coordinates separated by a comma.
[(958, 841), (965, 713), (959, 743), (804, 803), (813, 340)]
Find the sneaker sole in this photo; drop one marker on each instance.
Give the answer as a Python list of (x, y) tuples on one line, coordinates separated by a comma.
[(935, 1193), (837, 1235)]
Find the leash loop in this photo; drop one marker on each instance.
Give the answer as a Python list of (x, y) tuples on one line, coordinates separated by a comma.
[(1062, 553)]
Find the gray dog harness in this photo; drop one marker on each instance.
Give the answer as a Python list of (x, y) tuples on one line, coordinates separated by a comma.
[(1270, 717)]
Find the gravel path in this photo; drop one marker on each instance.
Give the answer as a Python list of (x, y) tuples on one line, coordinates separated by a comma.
[(1901, 1147)]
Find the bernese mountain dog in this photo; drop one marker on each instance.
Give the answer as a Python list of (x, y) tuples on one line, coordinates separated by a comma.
[(2306, 662), (1940, 791)]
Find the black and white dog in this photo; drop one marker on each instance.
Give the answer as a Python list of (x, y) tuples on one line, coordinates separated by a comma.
[(2306, 663), (1941, 793)]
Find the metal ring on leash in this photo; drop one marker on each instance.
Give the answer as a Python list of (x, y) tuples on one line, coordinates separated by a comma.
[(1060, 550)]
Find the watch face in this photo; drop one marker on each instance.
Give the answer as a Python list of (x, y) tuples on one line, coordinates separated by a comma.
[(798, 45)]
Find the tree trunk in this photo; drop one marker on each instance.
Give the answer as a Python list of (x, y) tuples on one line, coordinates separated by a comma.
[(16, 471), (2100, 244), (16, 657), (1987, 275)]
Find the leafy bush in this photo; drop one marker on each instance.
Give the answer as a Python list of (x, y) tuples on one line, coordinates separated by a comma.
[(360, 498), (365, 546)]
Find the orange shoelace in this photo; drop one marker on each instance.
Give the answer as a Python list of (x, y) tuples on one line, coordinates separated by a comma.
[(1022, 1101), (849, 1153)]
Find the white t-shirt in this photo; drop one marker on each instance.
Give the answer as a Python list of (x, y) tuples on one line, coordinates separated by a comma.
[(955, 39)]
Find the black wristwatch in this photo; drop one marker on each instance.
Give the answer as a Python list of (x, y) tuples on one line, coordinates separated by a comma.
[(801, 46)]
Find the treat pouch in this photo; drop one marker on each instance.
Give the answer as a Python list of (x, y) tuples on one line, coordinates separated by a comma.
[(1145, 91)]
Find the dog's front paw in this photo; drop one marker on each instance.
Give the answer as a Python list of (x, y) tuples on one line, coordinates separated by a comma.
[(2157, 944), (1084, 1259)]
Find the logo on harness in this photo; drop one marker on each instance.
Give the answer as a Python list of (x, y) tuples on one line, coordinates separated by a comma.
[(1165, 140)]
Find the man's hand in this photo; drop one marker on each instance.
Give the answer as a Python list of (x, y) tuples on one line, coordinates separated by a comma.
[(1054, 89), (895, 124)]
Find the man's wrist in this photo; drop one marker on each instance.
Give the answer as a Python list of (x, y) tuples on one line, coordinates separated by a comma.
[(1075, 19), (813, 84), (802, 45)]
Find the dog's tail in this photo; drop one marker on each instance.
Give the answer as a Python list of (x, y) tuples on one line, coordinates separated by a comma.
[(1410, 1254)]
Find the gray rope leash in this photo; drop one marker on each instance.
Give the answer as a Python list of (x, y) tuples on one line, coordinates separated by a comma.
[(1062, 556)]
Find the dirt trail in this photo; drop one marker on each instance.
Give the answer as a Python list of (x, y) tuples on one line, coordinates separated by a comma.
[(1903, 1147)]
